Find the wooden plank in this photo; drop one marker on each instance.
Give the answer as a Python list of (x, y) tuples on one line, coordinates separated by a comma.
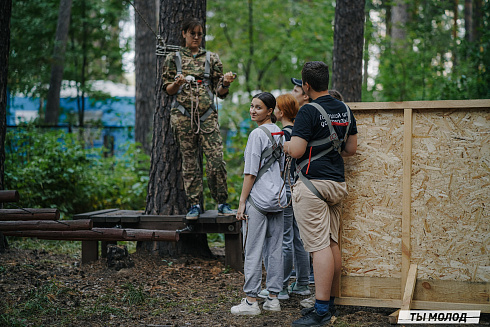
[(409, 287), (421, 105), (407, 194), (430, 305), (92, 213), (416, 305), (393, 318), (425, 290)]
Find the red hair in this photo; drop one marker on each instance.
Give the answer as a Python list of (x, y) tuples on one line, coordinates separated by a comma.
[(288, 105)]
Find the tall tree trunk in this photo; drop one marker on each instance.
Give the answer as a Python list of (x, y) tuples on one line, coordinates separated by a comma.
[(145, 70), (348, 43), (399, 21), (477, 20), (468, 20), (5, 12), (53, 99), (166, 194)]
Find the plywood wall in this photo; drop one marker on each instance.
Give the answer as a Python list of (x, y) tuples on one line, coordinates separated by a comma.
[(450, 222)]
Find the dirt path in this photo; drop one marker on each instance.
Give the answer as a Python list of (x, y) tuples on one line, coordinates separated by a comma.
[(42, 289)]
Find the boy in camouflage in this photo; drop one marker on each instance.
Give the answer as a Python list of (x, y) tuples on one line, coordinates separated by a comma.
[(193, 76)]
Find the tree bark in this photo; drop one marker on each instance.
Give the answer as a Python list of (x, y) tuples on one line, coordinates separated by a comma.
[(145, 70), (399, 21), (468, 20), (347, 51), (5, 12), (166, 194), (53, 99)]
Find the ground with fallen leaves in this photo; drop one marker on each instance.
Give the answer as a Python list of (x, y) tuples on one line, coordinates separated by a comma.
[(38, 288)]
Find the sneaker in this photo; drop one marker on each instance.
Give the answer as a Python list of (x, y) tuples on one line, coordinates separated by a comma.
[(333, 312), (313, 319), (193, 213), (308, 303), (299, 289), (284, 294), (293, 274), (225, 210), (246, 309), (263, 294), (272, 304)]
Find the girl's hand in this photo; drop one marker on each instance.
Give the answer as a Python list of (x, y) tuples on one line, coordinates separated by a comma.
[(240, 214)]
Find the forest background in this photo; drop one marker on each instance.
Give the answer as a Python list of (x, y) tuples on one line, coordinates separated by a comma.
[(413, 50)]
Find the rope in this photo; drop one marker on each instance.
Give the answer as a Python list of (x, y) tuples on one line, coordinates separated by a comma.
[(141, 16)]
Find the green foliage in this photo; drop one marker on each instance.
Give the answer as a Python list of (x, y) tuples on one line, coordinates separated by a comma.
[(53, 169), (285, 35), (94, 49), (433, 63)]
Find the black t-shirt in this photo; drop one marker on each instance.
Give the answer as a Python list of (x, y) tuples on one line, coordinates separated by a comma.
[(310, 125)]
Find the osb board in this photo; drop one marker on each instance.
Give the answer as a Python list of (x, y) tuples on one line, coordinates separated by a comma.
[(450, 188), (371, 238), (450, 233)]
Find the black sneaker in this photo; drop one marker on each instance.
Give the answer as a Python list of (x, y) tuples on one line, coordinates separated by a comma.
[(333, 311), (313, 319)]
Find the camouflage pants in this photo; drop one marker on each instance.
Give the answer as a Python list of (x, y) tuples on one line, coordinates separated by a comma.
[(212, 146)]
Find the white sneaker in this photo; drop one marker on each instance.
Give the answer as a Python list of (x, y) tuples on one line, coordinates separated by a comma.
[(246, 309), (272, 304), (264, 294), (308, 303)]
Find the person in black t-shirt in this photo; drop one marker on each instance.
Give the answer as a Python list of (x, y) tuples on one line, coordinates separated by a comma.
[(321, 187)]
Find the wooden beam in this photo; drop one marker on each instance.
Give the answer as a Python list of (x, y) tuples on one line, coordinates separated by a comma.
[(107, 234), (416, 305), (409, 287), (29, 214), (9, 196), (407, 295), (421, 105), (407, 194), (22, 225)]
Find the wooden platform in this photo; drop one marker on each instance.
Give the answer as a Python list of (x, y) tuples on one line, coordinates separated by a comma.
[(209, 222)]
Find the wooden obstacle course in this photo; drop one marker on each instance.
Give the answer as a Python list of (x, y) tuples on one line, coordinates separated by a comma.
[(131, 220), (45, 224)]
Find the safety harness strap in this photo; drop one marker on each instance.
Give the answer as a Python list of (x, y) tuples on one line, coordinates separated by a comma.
[(288, 129), (332, 138)]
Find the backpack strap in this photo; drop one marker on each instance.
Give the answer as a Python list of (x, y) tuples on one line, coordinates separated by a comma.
[(288, 129), (178, 62)]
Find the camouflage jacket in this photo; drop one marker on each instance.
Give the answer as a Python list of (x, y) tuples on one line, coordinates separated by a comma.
[(194, 66)]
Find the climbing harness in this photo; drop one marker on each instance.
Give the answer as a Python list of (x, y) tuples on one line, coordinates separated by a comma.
[(193, 85), (334, 142)]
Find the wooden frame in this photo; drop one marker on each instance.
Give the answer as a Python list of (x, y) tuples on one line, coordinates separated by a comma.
[(408, 282)]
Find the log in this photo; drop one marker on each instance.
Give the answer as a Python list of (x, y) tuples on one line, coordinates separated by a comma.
[(151, 235), (29, 214), (9, 196), (45, 225), (95, 234)]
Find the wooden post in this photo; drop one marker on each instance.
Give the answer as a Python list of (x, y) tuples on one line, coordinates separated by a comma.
[(90, 251), (233, 250), (407, 195)]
